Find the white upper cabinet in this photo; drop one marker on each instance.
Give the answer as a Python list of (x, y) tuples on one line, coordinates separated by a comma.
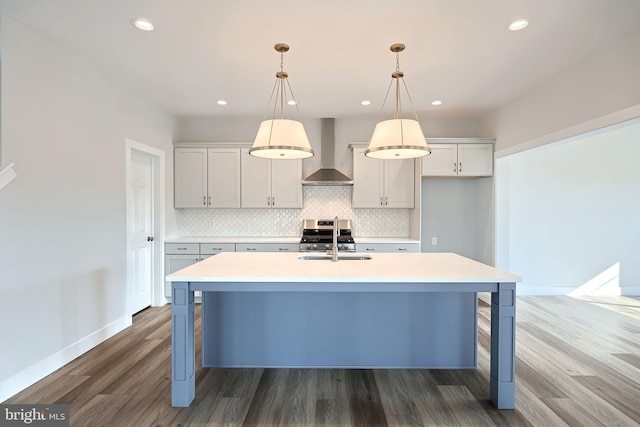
[(190, 178), (458, 159), (382, 183), (224, 178), (270, 183), (207, 178)]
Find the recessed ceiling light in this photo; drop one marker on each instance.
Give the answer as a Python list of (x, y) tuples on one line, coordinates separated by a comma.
[(518, 24), (436, 102), (292, 102), (221, 102), (142, 24), (365, 102)]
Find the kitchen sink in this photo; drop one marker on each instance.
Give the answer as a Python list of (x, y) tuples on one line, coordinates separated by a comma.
[(341, 257)]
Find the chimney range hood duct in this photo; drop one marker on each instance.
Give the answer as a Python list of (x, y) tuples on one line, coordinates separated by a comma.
[(327, 174)]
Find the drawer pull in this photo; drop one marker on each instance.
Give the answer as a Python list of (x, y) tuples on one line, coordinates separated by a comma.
[(283, 249), (181, 249), (370, 249), (251, 249), (403, 249)]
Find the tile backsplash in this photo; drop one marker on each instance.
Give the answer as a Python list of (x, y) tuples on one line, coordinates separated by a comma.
[(320, 202)]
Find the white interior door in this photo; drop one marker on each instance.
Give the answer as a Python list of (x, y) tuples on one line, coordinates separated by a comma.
[(141, 273)]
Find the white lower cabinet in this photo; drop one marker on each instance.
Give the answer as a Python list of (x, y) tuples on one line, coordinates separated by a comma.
[(180, 255), (267, 247), (387, 247), (215, 248)]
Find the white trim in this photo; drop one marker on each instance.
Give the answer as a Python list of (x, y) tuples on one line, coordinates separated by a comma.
[(27, 377), (212, 144), (579, 129), (626, 291), (7, 175), (159, 165)]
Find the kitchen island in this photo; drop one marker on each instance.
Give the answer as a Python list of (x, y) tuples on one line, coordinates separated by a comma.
[(407, 282)]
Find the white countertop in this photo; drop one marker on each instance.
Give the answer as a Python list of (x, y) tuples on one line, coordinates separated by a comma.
[(292, 239), (268, 267), (204, 239)]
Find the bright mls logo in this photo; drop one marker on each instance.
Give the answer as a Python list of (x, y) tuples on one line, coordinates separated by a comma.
[(34, 415)]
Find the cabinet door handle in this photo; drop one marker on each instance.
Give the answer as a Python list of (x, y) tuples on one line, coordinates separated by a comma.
[(460, 168), (204, 200), (381, 201), (209, 200), (386, 201), (455, 167), (273, 201)]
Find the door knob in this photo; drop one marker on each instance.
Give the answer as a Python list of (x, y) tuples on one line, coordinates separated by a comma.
[(149, 238)]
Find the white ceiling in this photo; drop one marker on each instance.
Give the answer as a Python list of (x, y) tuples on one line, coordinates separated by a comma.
[(459, 51)]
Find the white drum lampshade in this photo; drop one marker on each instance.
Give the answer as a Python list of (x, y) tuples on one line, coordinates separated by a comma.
[(397, 139), (281, 139)]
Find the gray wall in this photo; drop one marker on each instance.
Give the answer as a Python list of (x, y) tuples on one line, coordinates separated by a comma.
[(459, 213), (569, 214), (602, 88), (62, 220), (562, 212)]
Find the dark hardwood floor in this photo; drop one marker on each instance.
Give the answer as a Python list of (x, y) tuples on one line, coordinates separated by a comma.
[(578, 364)]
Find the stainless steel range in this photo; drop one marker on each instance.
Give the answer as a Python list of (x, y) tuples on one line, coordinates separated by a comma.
[(317, 235)]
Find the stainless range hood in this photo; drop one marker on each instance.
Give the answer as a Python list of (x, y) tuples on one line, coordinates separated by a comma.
[(327, 174)]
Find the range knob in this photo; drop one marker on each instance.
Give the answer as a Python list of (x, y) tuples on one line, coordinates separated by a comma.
[(308, 246), (314, 246), (327, 246)]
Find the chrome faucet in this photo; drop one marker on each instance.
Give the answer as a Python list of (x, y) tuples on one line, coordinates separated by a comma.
[(336, 233)]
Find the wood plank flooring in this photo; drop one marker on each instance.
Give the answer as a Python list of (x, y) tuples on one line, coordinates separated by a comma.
[(578, 364)]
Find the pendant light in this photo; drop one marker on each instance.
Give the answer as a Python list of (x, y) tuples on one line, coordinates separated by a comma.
[(281, 138), (397, 138)]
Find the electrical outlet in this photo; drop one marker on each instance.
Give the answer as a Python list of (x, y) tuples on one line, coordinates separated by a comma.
[(434, 241)]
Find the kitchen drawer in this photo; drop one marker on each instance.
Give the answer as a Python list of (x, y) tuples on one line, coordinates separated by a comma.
[(214, 248), (267, 247), (387, 247), (182, 248)]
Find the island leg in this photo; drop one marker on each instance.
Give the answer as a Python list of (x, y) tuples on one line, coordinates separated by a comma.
[(502, 385), (183, 379)]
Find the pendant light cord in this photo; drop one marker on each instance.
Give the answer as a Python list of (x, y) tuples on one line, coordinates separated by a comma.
[(280, 91)]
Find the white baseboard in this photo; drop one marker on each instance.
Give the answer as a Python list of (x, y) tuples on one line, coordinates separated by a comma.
[(631, 291), (543, 290), (627, 291), (27, 377)]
